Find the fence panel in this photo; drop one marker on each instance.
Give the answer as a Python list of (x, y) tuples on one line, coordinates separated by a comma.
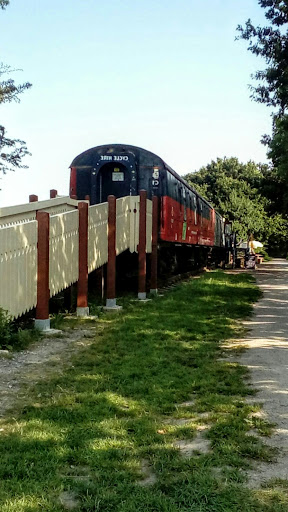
[(11, 215), (18, 249), (18, 268), (64, 251), (123, 213), (97, 236)]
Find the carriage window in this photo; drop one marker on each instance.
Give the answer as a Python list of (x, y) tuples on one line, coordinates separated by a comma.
[(180, 197), (117, 175), (185, 205), (175, 191)]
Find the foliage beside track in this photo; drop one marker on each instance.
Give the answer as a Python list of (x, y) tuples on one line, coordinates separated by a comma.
[(12, 151), (87, 432), (249, 195)]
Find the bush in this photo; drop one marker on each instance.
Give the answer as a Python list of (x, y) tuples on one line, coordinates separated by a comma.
[(6, 330), (12, 336), (265, 254)]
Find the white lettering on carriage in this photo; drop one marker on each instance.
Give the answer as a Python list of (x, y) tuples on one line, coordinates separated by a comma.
[(114, 158), (106, 157), (120, 158)]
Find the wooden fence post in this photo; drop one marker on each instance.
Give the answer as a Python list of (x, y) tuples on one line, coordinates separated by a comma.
[(82, 285), (154, 255), (42, 321), (111, 264), (142, 246)]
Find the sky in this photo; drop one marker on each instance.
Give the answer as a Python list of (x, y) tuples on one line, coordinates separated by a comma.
[(163, 75)]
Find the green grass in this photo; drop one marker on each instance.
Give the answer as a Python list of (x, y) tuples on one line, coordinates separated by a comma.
[(89, 430)]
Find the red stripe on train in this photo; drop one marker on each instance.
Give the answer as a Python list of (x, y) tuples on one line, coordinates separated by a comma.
[(180, 224)]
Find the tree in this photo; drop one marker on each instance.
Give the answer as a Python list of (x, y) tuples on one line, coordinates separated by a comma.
[(278, 147), (243, 193), (12, 151), (271, 43)]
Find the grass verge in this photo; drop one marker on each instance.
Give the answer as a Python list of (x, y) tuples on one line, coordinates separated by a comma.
[(103, 435)]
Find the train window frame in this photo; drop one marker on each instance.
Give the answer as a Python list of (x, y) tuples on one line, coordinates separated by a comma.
[(191, 206), (185, 205), (180, 197), (175, 193)]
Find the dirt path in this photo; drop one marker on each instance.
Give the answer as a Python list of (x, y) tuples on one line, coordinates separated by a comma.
[(267, 360), (29, 366)]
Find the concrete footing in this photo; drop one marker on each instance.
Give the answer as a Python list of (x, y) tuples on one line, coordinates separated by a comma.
[(110, 303), (111, 306), (42, 325), (114, 309), (82, 312), (142, 296), (154, 291)]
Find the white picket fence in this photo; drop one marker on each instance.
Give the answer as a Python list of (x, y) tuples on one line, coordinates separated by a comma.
[(18, 245), (18, 267), (11, 215)]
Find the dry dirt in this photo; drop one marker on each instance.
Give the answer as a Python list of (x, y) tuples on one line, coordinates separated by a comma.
[(267, 360), (25, 368)]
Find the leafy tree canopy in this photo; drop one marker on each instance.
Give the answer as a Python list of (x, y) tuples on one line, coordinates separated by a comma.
[(271, 43), (278, 147), (246, 194), (4, 3), (12, 151)]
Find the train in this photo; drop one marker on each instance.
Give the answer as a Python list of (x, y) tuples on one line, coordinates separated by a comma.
[(186, 219)]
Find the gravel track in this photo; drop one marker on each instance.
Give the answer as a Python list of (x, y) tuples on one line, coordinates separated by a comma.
[(267, 360)]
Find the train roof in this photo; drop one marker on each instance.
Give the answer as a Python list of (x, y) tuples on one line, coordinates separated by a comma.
[(89, 158)]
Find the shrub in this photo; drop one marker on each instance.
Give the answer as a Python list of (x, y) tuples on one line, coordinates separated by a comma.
[(6, 329), (12, 335)]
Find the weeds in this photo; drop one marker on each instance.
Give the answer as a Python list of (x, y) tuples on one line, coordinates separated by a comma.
[(12, 336), (5, 329)]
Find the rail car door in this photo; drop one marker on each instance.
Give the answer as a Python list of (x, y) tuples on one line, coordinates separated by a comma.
[(113, 179)]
